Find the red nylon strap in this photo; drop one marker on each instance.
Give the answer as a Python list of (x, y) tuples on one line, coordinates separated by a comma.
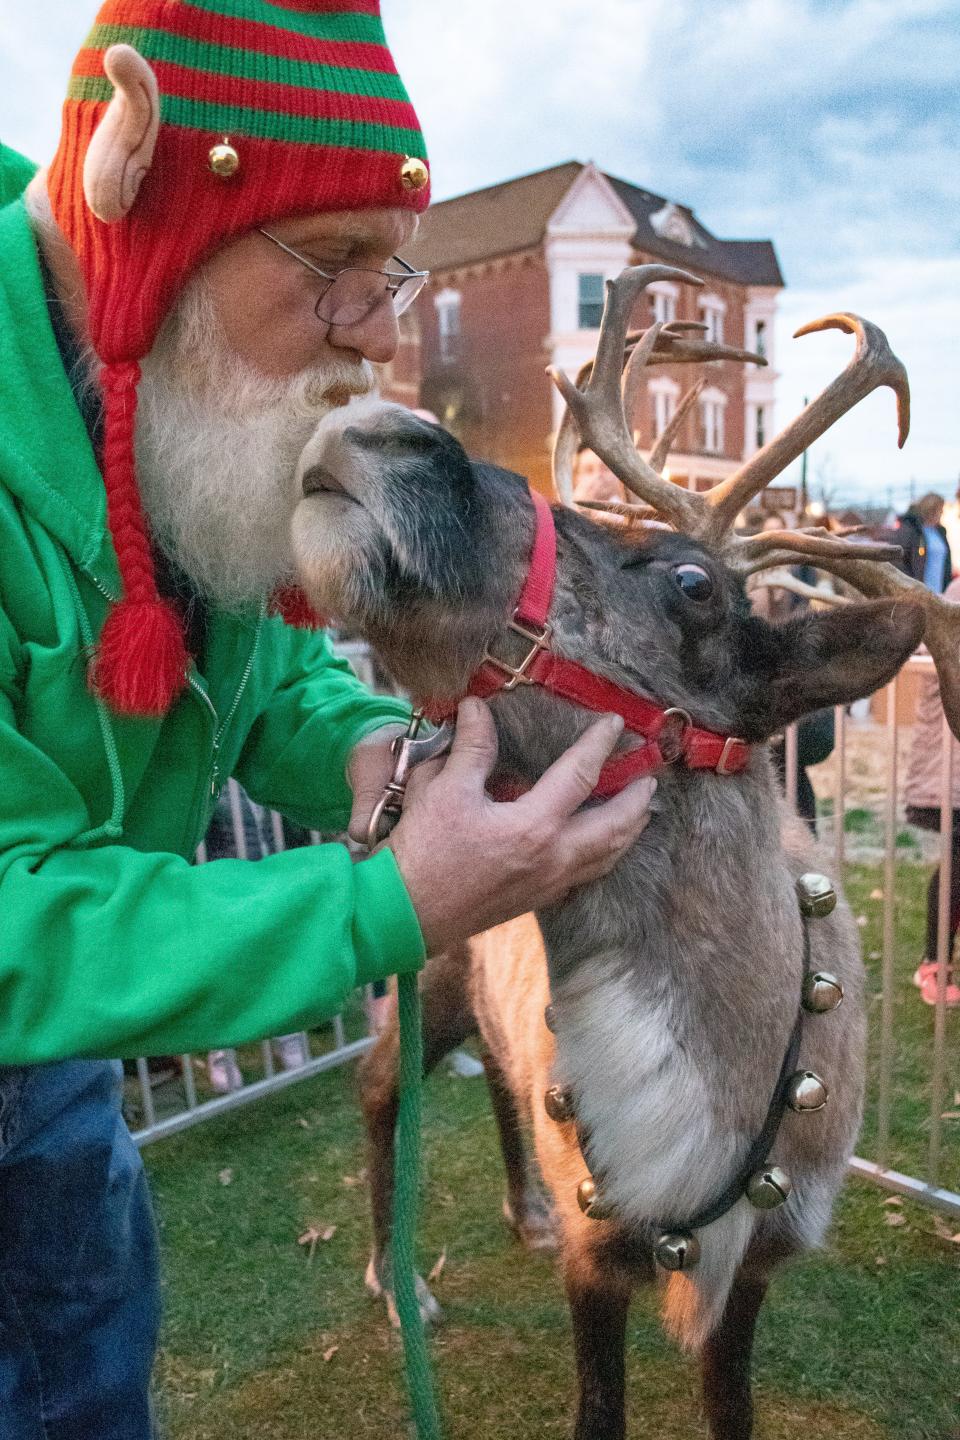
[(536, 597), (698, 749)]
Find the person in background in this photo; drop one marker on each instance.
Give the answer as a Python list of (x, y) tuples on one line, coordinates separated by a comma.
[(240, 829), (923, 793), (926, 549)]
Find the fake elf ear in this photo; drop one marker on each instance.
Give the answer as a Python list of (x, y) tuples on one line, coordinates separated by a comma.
[(121, 150)]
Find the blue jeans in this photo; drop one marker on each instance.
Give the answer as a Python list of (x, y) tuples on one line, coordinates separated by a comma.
[(79, 1284)]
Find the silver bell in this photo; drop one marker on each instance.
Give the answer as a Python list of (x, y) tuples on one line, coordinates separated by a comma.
[(550, 1020), (558, 1104), (677, 1251), (821, 992), (806, 1092), (588, 1198), (816, 895), (769, 1187)]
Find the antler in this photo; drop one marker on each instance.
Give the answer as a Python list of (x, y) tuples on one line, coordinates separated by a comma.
[(598, 409), (873, 364)]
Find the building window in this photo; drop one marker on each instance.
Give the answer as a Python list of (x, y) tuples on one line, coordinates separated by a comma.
[(448, 324), (664, 406), (712, 311), (760, 431), (760, 338), (712, 404), (590, 297), (663, 298)]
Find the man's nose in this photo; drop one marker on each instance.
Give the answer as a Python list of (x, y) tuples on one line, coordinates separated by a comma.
[(375, 337)]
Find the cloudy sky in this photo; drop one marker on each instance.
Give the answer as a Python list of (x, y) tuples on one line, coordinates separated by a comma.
[(829, 126)]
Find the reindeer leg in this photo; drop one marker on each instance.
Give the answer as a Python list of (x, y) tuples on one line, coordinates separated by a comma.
[(448, 1020), (725, 1362), (525, 1207), (599, 1302)]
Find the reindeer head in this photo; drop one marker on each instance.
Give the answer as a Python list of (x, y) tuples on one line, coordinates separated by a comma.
[(423, 550)]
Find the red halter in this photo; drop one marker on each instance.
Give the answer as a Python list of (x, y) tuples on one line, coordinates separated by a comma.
[(670, 734)]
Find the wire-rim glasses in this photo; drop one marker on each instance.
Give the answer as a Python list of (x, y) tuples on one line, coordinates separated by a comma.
[(353, 293)]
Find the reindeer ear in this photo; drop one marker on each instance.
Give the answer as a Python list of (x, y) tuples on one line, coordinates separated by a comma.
[(832, 657), (121, 150)]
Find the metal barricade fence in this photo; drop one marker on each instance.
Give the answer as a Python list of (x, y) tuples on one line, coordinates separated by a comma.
[(875, 1163)]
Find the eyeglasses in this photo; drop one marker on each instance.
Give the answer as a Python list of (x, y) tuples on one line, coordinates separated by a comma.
[(351, 294)]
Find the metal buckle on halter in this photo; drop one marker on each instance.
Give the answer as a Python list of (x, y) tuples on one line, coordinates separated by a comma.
[(518, 673), (673, 735), (409, 752), (722, 767)]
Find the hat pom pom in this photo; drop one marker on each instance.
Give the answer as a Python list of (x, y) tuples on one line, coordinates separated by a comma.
[(141, 663), (295, 609)]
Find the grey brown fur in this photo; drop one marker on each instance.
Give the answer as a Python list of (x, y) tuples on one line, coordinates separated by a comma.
[(675, 981)]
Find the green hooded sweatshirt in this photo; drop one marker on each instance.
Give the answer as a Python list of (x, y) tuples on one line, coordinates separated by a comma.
[(112, 943)]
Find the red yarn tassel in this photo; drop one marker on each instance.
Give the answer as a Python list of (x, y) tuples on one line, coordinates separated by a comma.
[(292, 604), (141, 661)]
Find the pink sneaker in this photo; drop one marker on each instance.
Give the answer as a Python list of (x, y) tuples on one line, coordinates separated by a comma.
[(928, 990), (925, 968)]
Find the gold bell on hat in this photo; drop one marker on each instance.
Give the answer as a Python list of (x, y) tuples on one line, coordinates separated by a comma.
[(677, 1251), (224, 160), (558, 1104), (806, 1092), (414, 174), (821, 992), (769, 1187), (588, 1198), (816, 895)]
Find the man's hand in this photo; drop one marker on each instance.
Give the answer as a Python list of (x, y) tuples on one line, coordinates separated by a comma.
[(469, 863), (369, 768)]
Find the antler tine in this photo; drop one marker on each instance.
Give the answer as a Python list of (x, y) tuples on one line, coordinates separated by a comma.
[(691, 352), (633, 370), (598, 409), (752, 553), (873, 364), (783, 580), (633, 514), (660, 451)]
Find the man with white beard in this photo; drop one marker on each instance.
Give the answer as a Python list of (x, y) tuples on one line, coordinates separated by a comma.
[(207, 266)]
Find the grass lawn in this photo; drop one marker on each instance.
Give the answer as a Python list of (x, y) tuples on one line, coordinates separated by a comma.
[(261, 1340)]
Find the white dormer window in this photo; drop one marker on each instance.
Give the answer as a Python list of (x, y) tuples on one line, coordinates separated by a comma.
[(664, 394), (713, 403), (663, 297), (448, 324), (712, 311), (589, 301)]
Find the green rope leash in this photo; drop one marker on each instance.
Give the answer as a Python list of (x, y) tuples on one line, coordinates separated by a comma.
[(419, 1377)]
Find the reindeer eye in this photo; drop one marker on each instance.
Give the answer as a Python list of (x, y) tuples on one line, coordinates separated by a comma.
[(694, 581)]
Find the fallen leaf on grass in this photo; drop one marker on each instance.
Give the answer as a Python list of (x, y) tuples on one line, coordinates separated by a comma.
[(895, 1218), (876, 894), (437, 1270), (862, 920), (941, 1228), (893, 1200), (874, 955), (225, 1177), (352, 1181), (304, 1124), (880, 1260), (950, 1115), (329, 1354)]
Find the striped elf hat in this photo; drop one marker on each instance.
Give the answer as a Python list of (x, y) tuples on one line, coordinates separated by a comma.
[(264, 109)]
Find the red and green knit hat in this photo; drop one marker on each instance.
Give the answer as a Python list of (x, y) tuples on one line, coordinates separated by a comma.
[(268, 109)]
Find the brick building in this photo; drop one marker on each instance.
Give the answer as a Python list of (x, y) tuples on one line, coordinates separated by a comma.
[(518, 274)]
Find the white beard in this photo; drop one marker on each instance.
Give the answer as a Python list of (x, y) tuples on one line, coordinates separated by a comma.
[(217, 448)]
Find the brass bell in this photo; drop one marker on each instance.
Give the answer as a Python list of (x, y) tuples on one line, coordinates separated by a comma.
[(224, 160), (677, 1251), (769, 1187), (588, 1198), (816, 895), (806, 1092), (558, 1104), (550, 1020), (414, 174), (821, 992)]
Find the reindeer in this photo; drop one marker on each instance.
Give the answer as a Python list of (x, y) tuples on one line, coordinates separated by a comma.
[(672, 1034)]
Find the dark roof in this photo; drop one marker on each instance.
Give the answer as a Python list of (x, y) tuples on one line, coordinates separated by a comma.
[(502, 219)]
